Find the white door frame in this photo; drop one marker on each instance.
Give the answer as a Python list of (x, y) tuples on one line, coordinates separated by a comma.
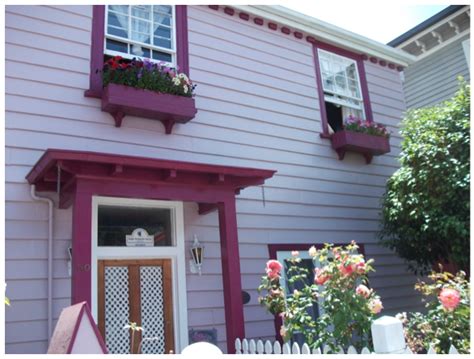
[(176, 253)]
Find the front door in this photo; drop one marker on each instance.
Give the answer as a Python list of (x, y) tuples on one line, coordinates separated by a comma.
[(139, 275), (136, 291)]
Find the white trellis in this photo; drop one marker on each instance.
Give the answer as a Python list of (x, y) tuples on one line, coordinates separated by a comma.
[(387, 335)]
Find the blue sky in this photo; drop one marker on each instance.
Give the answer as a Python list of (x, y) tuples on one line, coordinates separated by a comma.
[(381, 20)]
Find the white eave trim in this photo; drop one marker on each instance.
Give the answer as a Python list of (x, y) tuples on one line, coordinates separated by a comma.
[(441, 46), (328, 32)]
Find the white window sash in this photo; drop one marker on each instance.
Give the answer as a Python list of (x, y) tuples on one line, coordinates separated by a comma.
[(149, 46), (327, 56), (341, 102)]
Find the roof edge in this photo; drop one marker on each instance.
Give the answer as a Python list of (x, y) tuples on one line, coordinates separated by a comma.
[(425, 24), (329, 32)]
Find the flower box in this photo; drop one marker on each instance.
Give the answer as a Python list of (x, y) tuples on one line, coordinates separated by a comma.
[(365, 144), (120, 100)]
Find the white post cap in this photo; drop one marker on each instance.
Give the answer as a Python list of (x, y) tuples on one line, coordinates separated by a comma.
[(387, 334)]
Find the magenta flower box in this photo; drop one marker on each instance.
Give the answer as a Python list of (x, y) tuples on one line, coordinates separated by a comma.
[(367, 145), (120, 100)]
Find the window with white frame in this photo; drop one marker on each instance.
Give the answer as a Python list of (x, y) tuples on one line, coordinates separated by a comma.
[(141, 31), (307, 263), (342, 89)]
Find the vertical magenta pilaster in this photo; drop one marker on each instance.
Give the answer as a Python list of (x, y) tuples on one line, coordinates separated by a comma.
[(234, 310), (81, 246)]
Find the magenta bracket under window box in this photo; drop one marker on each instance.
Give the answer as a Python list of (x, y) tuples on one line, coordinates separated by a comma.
[(367, 145), (120, 100)]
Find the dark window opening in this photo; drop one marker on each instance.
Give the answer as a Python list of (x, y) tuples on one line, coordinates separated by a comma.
[(116, 222), (334, 116)]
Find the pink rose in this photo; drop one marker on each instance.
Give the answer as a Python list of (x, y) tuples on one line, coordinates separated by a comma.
[(321, 276), (360, 266), (295, 253), (273, 269), (375, 305), (346, 270), (283, 331), (363, 291), (450, 298)]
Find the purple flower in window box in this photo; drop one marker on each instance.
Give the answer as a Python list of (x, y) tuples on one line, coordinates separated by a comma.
[(147, 89), (364, 137)]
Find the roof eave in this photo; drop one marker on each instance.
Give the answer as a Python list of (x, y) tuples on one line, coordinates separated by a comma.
[(329, 32)]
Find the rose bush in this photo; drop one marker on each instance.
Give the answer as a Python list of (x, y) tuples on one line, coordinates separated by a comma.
[(446, 321), (347, 304)]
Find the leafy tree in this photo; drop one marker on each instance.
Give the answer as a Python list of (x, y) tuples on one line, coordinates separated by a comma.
[(425, 216)]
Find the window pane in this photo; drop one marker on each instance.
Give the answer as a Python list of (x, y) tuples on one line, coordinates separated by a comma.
[(116, 46), (146, 52), (157, 55), (117, 20), (116, 222), (141, 26), (119, 8), (161, 19), (162, 42), (166, 9), (325, 65), (117, 32), (142, 11), (162, 31), (141, 37)]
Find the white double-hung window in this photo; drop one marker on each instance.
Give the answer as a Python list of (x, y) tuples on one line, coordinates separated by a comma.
[(341, 86), (141, 31)]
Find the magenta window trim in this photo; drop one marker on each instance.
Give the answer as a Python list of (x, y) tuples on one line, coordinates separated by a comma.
[(359, 59), (97, 46), (272, 251)]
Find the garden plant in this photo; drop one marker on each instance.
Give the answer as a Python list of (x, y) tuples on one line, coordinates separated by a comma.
[(338, 284), (446, 321), (426, 210)]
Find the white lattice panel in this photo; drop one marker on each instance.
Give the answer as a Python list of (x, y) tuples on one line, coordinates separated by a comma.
[(116, 310), (152, 309)]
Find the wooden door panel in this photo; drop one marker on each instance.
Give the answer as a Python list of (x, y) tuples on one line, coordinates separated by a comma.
[(150, 303)]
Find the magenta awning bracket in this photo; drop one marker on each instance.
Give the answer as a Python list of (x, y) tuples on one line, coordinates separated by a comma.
[(212, 187)]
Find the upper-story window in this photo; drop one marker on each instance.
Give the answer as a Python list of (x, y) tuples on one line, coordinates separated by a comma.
[(156, 32), (141, 31), (342, 87)]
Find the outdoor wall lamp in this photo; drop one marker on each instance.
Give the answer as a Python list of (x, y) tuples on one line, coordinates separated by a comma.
[(69, 262), (197, 250)]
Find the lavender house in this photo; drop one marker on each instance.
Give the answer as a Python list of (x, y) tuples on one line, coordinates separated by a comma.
[(106, 190)]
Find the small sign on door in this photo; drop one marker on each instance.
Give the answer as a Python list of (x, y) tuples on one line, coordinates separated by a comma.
[(139, 238)]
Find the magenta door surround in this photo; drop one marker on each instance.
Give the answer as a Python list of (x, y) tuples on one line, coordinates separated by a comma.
[(88, 174)]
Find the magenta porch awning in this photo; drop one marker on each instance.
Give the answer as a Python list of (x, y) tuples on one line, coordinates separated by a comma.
[(80, 175)]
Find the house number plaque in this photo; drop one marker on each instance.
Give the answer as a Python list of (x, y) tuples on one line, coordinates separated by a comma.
[(139, 238)]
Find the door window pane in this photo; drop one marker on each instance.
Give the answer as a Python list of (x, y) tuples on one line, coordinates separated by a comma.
[(116, 222)]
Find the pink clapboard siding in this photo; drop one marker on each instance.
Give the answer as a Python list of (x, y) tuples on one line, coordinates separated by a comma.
[(257, 107)]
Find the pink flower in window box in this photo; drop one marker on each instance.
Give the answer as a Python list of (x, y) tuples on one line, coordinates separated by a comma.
[(364, 137), (147, 89)]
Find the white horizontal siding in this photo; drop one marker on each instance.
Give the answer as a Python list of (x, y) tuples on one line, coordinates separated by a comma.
[(258, 107)]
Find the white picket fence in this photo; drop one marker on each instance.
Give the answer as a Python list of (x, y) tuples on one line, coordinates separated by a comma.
[(387, 337), (259, 347)]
